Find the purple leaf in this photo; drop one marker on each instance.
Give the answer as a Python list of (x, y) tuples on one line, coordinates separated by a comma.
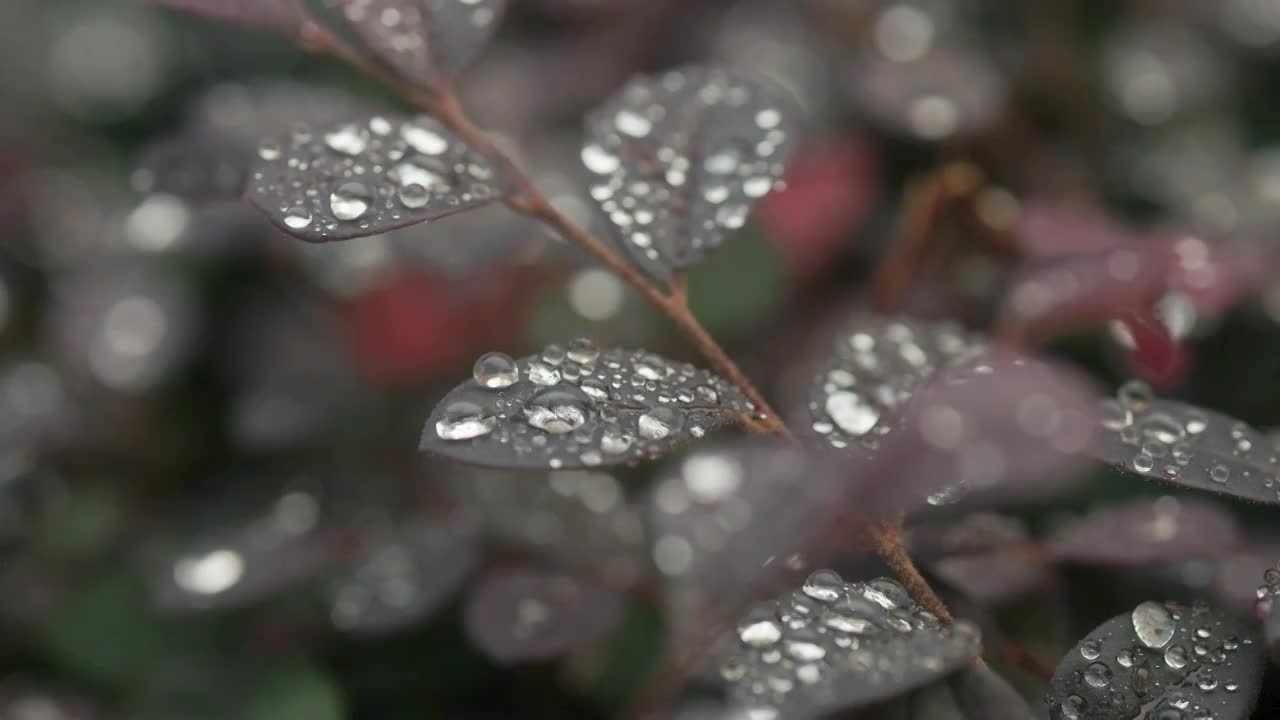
[(368, 177), (836, 645), (426, 41), (983, 695), (403, 578), (576, 408), (1140, 663), (973, 533), (1053, 230), (996, 576), (524, 615), (1147, 532), (287, 16), (677, 161), (1187, 446)]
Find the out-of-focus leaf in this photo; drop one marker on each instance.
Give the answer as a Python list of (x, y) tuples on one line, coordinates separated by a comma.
[(1160, 656), (995, 576), (1268, 608), (404, 577), (1271, 627), (677, 161), (574, 518), (426, 41), (1183, 445), (295, 692), (943, 94), (836, 645), (580, 407), (972, 533), (524, 615), (368, 177), (241, 564), (1146, 532), (25, 701), (1048, 229), (983, 695), (287, 16), (872, 370)]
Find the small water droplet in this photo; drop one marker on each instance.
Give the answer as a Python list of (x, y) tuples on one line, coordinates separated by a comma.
[(823, 585), (1097, 675), (350, 201), (495, 370), (463, 420), (658, 423), (297, 218), (348, 139), (558, 409), (423, 139)]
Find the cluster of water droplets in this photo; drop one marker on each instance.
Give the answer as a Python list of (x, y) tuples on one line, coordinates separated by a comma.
[(835, 644), (581, 406), (1164, 661), (873, 372), (1186, 445), (423, 40), (369, 176), (678, 160)]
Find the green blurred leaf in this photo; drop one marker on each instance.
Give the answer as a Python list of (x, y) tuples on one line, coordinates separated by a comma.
[(742, 283), (295, 692)]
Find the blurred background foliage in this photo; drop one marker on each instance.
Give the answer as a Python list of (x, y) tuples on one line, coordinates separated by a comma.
[(176, 378)]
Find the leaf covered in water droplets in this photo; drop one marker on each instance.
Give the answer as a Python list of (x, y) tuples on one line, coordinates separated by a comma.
[(281, 15), (403, 577), (426, 41), (836, 645), (368, 177), (873, 370), (1187, 446), (1146, 532), (1158, 657), (678, 159), (524, 615), (580, 407)]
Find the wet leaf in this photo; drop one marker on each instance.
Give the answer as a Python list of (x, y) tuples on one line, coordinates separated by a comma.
[(575, 408), (524, 615), (1147, 532), (404, 577), (872, 371), (836, 645), (426, 41), (1160, 656), (983, 695), (574, 518), (368, 177), (241, 564), (1187, 446), (677, 161), (286, 16)]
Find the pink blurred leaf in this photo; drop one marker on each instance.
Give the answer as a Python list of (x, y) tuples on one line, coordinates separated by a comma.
[(998, 576), (524, 615), (1147, 532), (1054, 230)]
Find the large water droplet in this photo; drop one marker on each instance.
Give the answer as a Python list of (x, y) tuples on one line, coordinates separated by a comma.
[(464, 420), (423, 139), (297, 218), (823, 585), (495, 370), (348, 139), (759, 630), (583, 351), (658, 423), (541, 373), (350, 201), (1097, 675), (558, 409), (1153, 624), (851, 412)]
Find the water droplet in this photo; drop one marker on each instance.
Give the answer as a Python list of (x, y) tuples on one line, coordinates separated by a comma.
[(1162, 428), (632, 123), (1073, 707), (759, 630), (1220, 474), (413, 196), (1143, 462), (1090, 650), (615, 442), (558, 409), (1135, 395), (1115, 416), (658, 423), (851, 412), (423, 139), (1153, 624), (1175, 657), (269, 150), (350, 201), (464, 420), (1097, 675), (824, 585), (348, 139), (297, 218), (495, 370), (542, 374), (583, 351), (887, 594), (553, 355)]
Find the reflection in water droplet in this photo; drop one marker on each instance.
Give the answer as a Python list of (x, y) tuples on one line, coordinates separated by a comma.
[(658, 423), (1153, 624), (495, 370), (463, 420), (558, 409), (297, 218), (350, 201)]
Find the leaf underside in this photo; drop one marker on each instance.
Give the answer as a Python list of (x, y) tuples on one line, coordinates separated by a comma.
[(368, 177), (1159, 656), (838, 645), (623, 406), (1183, 445), (677, 161)]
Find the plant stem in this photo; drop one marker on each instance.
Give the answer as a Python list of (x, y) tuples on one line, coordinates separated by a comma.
[(887, 539)]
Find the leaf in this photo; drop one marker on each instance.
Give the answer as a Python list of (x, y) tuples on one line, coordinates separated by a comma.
[(368, 177), (941, 95), (1159, 656), (1269, 610), (22, 700), (1187, 446), (404, 577), (246, 563), (1271, 627), (578, 408), (984, 695), (287, 16), (677, 161), (577, 518), (972, 533), (836, 645), (1147, 532), (523, 615), (873, 369), (294, 692), (997, 576), (426, 41)]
